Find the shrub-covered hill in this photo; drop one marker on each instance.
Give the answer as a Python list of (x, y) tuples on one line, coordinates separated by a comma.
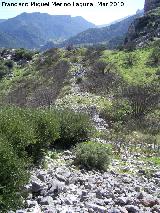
[(124, 86), (43, 97), (33, 79)]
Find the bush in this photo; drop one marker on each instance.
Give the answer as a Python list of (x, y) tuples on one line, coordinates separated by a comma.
[(142, 98), (16, 126), (130, 59), (74, 128), (46, 130), (29, 131), (22, 54), (120, 110), (93, 155), (9, 64), (26, 135), (13, 177), (32, 132), (154, 58), (100, 66), (4, 70)]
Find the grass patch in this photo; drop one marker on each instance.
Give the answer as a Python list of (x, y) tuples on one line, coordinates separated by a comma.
[(154, 160)]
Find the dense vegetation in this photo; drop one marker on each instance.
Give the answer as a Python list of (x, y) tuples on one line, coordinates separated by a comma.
[(26, 136), (130, 81)]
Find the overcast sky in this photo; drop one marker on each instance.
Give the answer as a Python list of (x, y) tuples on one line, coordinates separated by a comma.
[(97, 14)]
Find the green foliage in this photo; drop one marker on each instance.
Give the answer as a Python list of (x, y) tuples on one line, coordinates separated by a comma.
[(22, 54), (130, 59), (13, 176), (26, 135), (9, 64), (93, 155), (46, 130), (74, 128), (32, 132), (143, 99), (154, 58), (120, 110), (151, 122), (155, 160), (100, 66), (5, 68), (17, 128), (132, 67)]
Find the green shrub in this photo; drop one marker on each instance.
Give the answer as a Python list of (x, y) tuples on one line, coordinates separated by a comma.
[(16, 126), (32, 132), (119, 111), (74, 128), (130, 59), (22, 54), (100, 66), (29, 131), (142, 98), (151, 122), (9, 64), (93, 155), (46, 129), (13, 177), (154, 58), (4, 70)]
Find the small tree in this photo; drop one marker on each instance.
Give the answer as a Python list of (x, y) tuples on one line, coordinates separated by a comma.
[(9, 64), (100, 66), (154, 58), (142, 98), (130, 59)]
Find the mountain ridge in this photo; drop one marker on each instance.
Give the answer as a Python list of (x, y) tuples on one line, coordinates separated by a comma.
[(34, 29), (108, 34)]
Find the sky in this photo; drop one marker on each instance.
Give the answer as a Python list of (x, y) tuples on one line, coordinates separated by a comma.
[(97, 14)]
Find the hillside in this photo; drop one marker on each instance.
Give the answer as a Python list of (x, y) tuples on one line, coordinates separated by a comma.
[(80, 126), (119, 93), (144, 30), (112, 35), (30, 30)]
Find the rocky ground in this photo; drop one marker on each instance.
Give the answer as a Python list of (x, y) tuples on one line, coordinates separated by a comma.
[(129, 186)]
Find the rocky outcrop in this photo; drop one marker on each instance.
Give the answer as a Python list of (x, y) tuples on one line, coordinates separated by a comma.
[(144, 30), (151, 4)]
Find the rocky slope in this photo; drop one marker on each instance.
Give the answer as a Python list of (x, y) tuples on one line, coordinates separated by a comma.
[(112, 35), (129, 186), (145, 29), (151, 4)]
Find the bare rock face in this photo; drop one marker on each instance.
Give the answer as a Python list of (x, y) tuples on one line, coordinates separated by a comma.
[(151, 4)]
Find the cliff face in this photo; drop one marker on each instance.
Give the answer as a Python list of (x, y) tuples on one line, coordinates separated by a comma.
[(151, 4), (146, 28)]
